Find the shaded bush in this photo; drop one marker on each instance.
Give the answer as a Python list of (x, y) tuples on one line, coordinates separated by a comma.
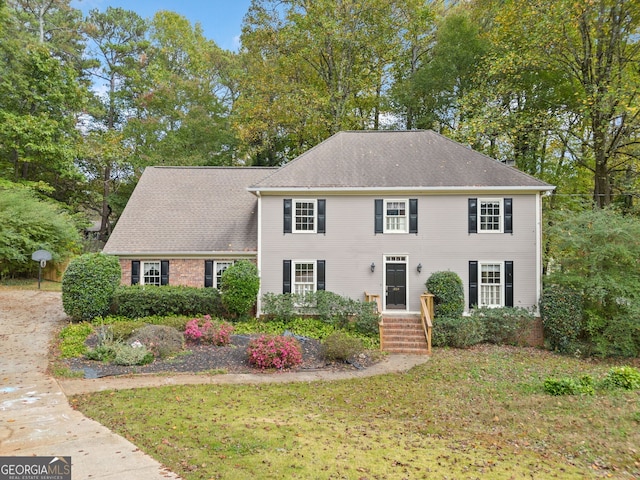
[(562, 317), (457, 332), (340, 346), (448, 292), (626, 378), (505, 325), (240, 286), (277, 352), (162, 341), (137, 301), (569, 386), (88, 285)]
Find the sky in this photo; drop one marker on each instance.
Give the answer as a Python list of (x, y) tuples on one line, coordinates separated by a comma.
[(221, 20)]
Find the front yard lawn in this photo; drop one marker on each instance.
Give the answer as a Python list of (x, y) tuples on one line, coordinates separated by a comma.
[(478, 413)]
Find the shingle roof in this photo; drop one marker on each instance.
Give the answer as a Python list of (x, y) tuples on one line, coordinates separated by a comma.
[(394, 159), (189, 210)]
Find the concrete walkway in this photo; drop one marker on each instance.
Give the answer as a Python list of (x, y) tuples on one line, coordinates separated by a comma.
[(36, 418)]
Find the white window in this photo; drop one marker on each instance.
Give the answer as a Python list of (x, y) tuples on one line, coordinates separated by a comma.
[(490, 218), (150, 273), (220, 268), (304, 277), (304, 216), (491, 285), (395, 216)]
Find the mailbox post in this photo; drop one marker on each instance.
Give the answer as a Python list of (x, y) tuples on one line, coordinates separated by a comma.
[(41, 256)]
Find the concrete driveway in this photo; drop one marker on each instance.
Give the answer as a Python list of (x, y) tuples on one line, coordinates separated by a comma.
[(35, 417)]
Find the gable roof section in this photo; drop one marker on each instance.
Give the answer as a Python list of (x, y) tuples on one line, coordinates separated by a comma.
[(189, 210), (420, 159)]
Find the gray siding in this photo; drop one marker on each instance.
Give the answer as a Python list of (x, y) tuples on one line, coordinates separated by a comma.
[(442, 243)]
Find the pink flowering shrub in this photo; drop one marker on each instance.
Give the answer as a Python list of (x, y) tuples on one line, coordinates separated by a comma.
[(207, 331), (277, 352)]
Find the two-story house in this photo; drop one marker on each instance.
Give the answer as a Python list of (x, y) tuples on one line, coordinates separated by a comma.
[(374, 211)]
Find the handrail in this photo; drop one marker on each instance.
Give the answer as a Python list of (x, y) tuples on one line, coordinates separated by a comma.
[(426, 314), (374, 297)]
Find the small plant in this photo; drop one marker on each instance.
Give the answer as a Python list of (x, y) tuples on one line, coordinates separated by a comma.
[(626, 378), (569, 386), (205, 330), (340, 346), (161, 340), (129, 355), (448, 292), (277, 352), (73, 338)]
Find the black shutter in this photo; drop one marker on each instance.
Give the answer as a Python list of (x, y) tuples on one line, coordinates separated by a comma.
[(135, 272), (320, 277), (208, 273), (164, 272), (322, 207), (286, 276), (473, 215), (473, 283), (379, 215), (287, 215), (508, 215), (508, 284), (413, 215)]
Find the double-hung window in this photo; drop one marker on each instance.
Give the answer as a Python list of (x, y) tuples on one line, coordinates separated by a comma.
[(217, 266), (490, 215), (304, 215), (220, 269), (396, 215), (490, 284), (304, 277), (150, 273)]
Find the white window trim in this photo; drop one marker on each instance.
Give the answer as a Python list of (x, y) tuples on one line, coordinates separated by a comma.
[(142, 275), (294, 223), (406, 215), (293, 274), (501, 216), (501, 284), (215, 270)]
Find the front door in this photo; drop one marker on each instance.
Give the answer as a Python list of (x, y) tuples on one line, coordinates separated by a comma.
[(396, 288)]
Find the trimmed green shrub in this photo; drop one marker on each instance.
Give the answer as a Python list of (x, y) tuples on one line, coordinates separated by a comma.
[(138, 301), (505, 325), (457, 332), (340, 346), (160, 340), (569, 386), (562, 317), (448, 292), (279, 306), (626, 378), (88, 285), (240, 286)]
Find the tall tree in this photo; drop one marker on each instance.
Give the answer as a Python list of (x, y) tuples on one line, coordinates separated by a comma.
[(182, 98), (313, 67), (118, 44)]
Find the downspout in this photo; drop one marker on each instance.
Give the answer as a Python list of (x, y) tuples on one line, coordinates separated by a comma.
[(259, 255), (538, 252)]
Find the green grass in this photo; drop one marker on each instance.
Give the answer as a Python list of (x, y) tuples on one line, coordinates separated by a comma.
[(479, 413)]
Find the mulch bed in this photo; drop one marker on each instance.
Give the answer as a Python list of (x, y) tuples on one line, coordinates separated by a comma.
[(228, 359)]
